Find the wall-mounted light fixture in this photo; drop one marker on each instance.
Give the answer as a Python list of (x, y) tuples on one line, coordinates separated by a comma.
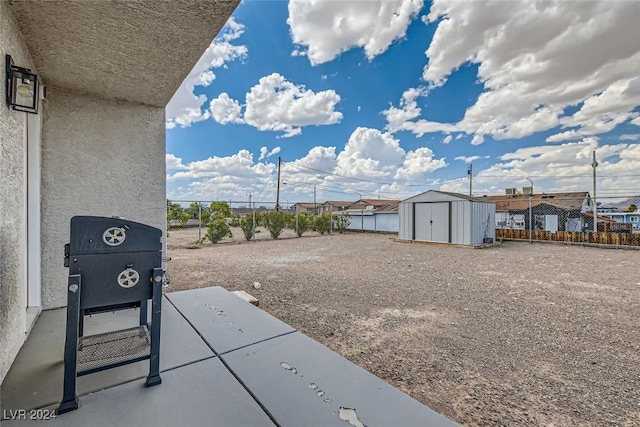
[(21, 88)]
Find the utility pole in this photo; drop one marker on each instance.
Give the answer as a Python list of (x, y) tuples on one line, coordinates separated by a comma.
[(594, 165), (199, 223), (530, 212), (470, 173), (278, 190), (315, 206), (253, 223)]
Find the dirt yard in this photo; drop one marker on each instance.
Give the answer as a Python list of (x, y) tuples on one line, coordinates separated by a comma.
[(516, 334)]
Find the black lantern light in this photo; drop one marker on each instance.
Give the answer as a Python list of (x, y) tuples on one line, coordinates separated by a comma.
[(21, 88)]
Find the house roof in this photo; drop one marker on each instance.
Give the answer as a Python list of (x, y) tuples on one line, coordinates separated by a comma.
[(566, 201), (379, 205), (379, 202), (388, 208), (306, 205), (338, 202)]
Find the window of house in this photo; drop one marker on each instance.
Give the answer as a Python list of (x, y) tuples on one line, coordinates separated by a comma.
[(634, 219)]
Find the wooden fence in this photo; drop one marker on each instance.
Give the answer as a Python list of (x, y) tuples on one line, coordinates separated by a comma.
[(622, 239)]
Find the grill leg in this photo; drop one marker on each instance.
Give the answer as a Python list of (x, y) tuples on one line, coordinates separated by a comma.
[(81, 321), (143, 312), (156, 309), (69, 397)]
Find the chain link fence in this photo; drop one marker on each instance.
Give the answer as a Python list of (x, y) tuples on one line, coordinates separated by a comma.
[(568, 217)]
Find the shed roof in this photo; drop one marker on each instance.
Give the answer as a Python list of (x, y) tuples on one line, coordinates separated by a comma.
[(450, 194)]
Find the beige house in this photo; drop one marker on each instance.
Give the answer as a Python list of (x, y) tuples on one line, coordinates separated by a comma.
[(334, 205), (96, 146)]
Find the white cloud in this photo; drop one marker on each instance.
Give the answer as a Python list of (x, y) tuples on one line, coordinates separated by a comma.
[(185, 107), (368, 155), (466, 159), (222, 177), (275, 104), (324, 29), (265, 153), (536, 58), (225, 110), (565, 167), (173, 162), (630, 137), (636, 121), (418, 163), (399, 119), (602, 112), (447, 139)]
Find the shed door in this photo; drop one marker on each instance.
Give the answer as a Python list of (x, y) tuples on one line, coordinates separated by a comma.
[(431, 222)]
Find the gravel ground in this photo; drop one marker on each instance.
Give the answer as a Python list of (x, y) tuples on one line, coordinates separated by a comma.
[(516, 334)]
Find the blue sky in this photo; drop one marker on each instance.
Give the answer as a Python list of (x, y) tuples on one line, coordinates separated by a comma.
[(394, 97)]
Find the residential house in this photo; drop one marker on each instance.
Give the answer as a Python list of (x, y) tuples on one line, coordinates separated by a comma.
[(373, 215), (371, 204), (311, 208), (549, 211), (334, 206), (629, 219), (96, 145)]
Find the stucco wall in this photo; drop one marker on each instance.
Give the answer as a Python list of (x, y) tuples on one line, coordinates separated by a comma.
[(13, 296), (99, 157)]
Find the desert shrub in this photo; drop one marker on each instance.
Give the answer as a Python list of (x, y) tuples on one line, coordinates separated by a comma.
[(218, 229), (248, 229), (304, 223), (235, 220), (220, 209), (184, 218), (275, 223), (323, 223), (341, 222)]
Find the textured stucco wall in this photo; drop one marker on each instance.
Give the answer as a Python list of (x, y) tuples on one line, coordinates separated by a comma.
[(99, 157), (135, 50), (13, 239)]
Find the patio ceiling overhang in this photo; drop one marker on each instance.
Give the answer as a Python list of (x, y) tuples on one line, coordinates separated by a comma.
[(137, 50)]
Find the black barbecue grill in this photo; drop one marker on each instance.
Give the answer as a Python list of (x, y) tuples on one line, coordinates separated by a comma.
[(113, 264)]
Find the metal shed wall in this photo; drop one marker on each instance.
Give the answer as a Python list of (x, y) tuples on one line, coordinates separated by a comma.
[(470, 220), (461, 222), (405, 216), (484, 221)]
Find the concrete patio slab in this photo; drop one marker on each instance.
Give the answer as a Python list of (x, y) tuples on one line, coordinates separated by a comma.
[(35, 379), (200, 394), (268, 374), (303, 383), (225, 321)]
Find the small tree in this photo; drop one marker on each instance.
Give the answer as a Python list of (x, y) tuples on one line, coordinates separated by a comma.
[(218, 229), (275, 223), (632, 208), (341, 221), (248, 229), (323, 223)]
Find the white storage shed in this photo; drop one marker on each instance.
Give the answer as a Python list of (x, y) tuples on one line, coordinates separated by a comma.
[(439, 216)]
